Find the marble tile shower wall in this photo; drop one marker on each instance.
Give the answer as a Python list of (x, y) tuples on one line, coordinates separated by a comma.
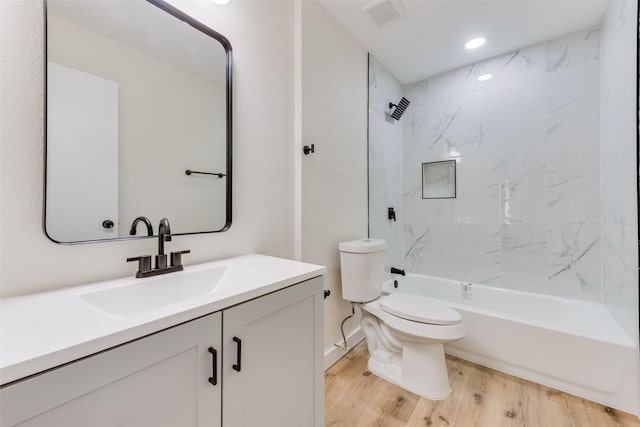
[(527, 212), (618, 165), (385, 163)]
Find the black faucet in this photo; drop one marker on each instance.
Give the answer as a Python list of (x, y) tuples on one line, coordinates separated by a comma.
[(144, 262), (164, 235), (146, 221), (391, 214), (397, 271)]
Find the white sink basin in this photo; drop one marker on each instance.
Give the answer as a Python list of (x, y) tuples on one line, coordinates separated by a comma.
[(142, 295)]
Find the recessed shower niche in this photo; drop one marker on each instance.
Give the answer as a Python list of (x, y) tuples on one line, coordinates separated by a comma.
[(439, 180)]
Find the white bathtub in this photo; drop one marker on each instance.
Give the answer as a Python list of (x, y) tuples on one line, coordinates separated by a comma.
[(569, 345)]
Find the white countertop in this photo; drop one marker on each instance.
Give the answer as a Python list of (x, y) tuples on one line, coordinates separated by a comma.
[(45, 330)]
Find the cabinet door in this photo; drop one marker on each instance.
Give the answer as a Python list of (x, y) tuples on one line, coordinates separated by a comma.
[(273, 359), (159, 380)]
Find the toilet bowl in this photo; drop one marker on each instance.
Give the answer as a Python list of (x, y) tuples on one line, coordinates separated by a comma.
[(405, 333), (410, 353)]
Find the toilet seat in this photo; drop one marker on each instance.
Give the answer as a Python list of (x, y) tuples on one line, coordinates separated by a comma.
[(418, 308), (412, 330)]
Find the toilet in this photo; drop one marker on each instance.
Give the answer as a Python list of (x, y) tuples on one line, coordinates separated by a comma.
[(405, 333)]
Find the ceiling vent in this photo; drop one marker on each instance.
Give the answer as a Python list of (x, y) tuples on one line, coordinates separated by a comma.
[(383, 11)]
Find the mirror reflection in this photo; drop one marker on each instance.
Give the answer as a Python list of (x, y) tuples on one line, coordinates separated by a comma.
[(135, 98)]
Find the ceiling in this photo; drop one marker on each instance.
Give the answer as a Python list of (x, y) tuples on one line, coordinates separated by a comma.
[(148, 29), (429, 36)]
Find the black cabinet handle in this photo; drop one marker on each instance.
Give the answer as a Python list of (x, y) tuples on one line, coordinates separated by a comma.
[(214, 371), (238, 366)]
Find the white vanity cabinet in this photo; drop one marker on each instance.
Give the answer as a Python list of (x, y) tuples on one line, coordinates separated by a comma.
[(160, 380), (166, 379), (278, 379)]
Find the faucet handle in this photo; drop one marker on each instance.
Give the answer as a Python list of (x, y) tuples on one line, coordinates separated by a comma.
[(176, 257), (144, 264), (161, 261)]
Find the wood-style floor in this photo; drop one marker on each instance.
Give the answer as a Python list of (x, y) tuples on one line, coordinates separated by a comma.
[(481, 397)]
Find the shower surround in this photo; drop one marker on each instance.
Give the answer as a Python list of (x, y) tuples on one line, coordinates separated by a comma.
[(527, 212), (618, 165)]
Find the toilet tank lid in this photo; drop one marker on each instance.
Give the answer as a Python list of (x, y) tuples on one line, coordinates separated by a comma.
[(419, 309), (362, 246)]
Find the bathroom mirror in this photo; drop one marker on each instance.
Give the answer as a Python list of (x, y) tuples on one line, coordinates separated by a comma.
[(138, 121)]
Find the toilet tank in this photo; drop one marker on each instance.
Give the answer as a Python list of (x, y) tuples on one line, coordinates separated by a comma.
[(362, 269)]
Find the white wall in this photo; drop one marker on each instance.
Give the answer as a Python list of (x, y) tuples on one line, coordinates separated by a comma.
[(618, 164), (261, 34), (334, 179)]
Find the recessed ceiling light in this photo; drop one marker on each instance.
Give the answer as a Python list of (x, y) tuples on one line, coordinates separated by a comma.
[(475, 43), (484, 77), (220, 1)]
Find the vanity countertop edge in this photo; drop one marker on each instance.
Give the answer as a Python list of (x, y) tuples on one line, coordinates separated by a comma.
[(26, 349)]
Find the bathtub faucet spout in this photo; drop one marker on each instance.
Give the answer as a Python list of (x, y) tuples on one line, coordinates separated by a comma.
[(397, 271), (465, 289)]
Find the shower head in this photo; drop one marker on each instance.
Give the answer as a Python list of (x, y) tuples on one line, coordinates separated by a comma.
[(399, 109)]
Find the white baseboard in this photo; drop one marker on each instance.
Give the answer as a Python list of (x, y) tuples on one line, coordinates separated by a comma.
[(335, 353)]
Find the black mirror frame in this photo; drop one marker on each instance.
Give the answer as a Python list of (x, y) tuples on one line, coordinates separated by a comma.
[(171, 10)]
